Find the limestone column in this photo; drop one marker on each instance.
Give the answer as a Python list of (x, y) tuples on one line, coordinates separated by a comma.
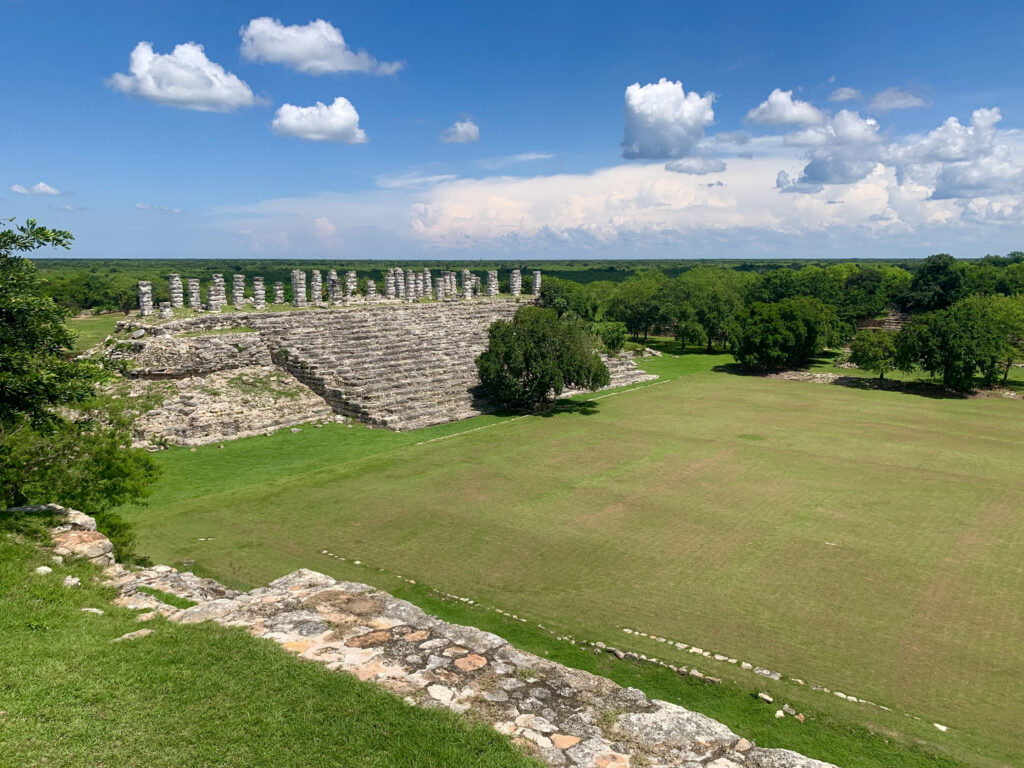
[(536, 283), (332, 286), (399, 283), (238, 290), (419, 285), (427, 284), (194, 299), (279, 293), (492, 283), (410, 286), (259, 293), (371, 289), (145, 298), (299, 288), (351, 284), (177, 292), (389, 284), (467, 283), (216, 296), (316, 291), (515, 282), (166, 313), (439, 289)]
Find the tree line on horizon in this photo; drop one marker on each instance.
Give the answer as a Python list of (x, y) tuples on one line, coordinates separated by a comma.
[(966, 319)]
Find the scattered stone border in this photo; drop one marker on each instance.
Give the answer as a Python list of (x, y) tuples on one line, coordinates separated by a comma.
[(564, 716), (637, 656)]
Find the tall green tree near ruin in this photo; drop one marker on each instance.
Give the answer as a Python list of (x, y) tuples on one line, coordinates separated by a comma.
[(980, 336), (59, 441), (536, 356), (874, 351), (783, 334)]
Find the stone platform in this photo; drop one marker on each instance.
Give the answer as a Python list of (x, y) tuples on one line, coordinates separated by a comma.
[(399, 365)]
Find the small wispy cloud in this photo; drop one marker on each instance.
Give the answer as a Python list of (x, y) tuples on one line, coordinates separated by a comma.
[(493, 163), (158, 208), (40, 188), (895, 98), (69, 207), (411, 180)]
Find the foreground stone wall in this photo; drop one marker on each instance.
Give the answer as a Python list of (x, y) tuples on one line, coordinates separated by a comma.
[(565, 716)]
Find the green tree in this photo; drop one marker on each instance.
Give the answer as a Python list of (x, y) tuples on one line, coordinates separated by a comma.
[(36, 375), (59, 441), (611, 334), (874, 351), (783, 334), (643, 302), (979, 335), (711, 298), (536, 356), (937, 284)]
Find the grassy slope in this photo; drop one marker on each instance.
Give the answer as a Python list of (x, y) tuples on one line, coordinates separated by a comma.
[(191, 695), (92, 329), (868, 541)]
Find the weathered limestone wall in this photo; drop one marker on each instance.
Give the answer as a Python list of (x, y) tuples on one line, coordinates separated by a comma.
[(565, 716), (167, 356)]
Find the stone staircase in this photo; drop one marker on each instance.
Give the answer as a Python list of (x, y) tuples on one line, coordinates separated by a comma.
[(399, 366)]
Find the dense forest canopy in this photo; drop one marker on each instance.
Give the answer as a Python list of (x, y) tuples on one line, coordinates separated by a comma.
[(108, 284)]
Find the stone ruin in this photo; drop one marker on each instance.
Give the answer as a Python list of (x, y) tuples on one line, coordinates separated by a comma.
[(393, 361)]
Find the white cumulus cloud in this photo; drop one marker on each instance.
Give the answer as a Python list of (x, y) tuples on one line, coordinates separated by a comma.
[(324, 228), (780, 108), (316, 48), (696, 165), (461, 132), (844, 94), (895, 98), (184, 78), (663, 121), (337, 122), (39, 188)]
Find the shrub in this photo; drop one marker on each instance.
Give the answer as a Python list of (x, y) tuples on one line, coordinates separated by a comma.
[(536, 356)]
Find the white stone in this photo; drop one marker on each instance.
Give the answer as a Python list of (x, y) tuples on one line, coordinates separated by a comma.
[(42, 570), (96, 611), (779, 714), (440, 693), (71, 581), (941, 727)]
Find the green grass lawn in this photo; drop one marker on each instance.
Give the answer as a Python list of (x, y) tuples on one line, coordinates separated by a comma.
[(92, 329), (192, 695), (868, 541)]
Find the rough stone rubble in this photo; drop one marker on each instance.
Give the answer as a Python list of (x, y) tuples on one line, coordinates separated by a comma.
[(564, 716)]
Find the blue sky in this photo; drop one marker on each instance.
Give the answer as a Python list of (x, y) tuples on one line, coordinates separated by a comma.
[(516, 130)]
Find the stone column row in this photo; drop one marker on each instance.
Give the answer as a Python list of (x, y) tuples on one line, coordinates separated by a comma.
[(398, 284)]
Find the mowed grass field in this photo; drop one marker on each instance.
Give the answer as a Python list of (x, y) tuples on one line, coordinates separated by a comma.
[(867, 541)]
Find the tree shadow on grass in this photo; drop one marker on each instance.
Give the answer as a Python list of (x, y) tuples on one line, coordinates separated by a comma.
[(919, 388), (563, 406)]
